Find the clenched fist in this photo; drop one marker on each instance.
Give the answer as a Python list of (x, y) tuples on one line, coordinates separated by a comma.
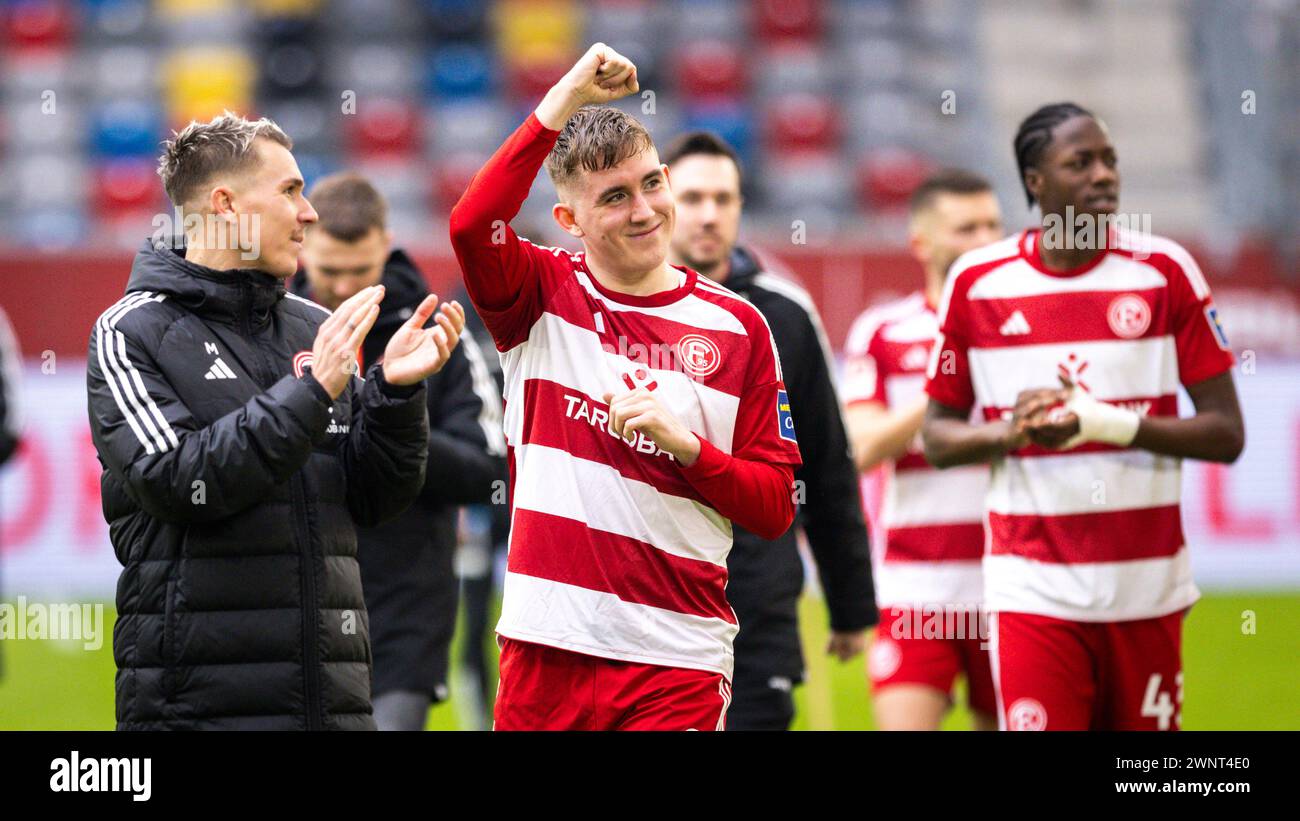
[(602, 75), (640, 411)]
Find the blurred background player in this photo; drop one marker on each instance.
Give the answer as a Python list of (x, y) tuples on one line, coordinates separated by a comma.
[(644, 408), (407, 569), (930, 533), (1087, 575), (765, 578)]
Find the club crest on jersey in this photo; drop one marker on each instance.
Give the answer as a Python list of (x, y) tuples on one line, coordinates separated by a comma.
[(301, 362), (784, 420), (699, 356), (1220, 335), (1129, 316)]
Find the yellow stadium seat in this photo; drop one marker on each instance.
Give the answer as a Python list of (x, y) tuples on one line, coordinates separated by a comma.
[(202, 82), (172, 10), (530, 31)]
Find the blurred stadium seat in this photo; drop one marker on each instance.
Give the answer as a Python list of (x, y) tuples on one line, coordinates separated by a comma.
[(857, 83)]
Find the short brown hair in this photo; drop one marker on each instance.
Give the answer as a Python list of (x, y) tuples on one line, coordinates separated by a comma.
[(200, 151), (700, 142), (348, 205), (594, 139), (947, 181)]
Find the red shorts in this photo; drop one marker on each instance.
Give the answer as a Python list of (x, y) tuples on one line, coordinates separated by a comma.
[(1054, 674), (905, 652), (546, 688)]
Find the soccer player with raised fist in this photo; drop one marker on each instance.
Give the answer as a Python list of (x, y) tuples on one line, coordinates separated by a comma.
[(1071, 340), (644, 413)]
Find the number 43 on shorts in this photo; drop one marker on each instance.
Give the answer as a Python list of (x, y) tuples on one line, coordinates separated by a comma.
[(1157, 704)]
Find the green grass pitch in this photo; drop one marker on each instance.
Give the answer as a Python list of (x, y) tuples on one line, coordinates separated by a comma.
[(1234, 678)]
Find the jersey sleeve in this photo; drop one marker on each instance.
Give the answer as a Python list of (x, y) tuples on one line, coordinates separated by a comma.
[(1199, 338), (764, 424), (505, 275), (753, 485), (948, 377)]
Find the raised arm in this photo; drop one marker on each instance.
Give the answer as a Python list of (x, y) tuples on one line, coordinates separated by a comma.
[(502, 271)]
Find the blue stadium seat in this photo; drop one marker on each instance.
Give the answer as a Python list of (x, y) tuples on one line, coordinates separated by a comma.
[(115, 20), (459, 71), (734, 122), (315, 166), (126, 128)]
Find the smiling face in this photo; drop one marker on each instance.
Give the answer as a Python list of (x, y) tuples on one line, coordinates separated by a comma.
[(1078, 169), (624, 214), (271, 209), (707, 189)]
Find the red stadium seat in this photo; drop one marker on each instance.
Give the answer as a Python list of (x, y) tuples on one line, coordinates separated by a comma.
[(451, 178), (529, 81), (126, 185), (45, 24), (888, 176), (788, 19), (383, 128), (710, 69), (799, 122)]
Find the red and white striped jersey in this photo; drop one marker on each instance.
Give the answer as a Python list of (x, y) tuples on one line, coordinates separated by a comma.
[(616, 550), (932, 520), (1093, 533), (612, 551)]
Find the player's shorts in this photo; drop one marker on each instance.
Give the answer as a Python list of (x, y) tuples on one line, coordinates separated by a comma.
[(1054, 674), (546, 688), (902, 654)]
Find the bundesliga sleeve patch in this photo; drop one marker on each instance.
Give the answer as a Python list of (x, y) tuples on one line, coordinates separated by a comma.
[(1212, 317), (784, 421)]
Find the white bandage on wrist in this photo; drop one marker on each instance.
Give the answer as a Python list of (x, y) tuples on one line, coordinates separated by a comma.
[(1100, 422)]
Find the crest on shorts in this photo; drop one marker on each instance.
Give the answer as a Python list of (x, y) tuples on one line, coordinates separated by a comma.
[(301, 362), (1026, 714), (1129, 316), (884, 658), (699, 356)]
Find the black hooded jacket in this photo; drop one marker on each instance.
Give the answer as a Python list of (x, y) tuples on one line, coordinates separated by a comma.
[(407, 564), (232, 487), (765, 578)]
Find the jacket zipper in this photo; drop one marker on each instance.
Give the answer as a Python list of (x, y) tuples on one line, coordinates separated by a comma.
[(302, 530)]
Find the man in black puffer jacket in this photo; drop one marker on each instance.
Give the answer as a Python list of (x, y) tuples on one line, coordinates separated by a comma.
[(240, 451), (407, 565)]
